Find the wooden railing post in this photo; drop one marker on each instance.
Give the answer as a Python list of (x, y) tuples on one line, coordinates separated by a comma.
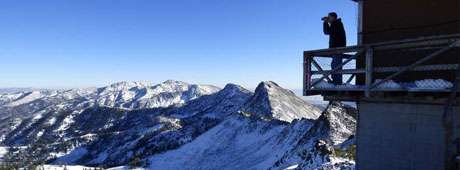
[(369, 70), (306, 73)]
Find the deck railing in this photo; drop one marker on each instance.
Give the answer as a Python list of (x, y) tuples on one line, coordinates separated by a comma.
[(312, 68)]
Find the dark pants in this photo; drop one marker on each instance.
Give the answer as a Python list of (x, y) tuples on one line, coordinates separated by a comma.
[(336, 62)]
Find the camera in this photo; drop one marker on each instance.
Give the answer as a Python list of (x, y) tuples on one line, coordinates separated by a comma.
[(324, 18)]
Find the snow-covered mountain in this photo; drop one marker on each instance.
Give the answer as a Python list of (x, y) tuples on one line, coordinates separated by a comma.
[(175, 125), (26, 108), (140, 95), (243, 143), (270, 101), (129, 95)]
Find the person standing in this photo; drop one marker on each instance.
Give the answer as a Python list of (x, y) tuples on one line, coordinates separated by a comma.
[(333, 26)]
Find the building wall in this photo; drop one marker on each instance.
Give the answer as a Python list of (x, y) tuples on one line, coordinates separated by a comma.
[(389, 20), (401, 136), (385, 20)]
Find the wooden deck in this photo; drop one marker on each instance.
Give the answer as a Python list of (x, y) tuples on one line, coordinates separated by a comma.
[(441, 44)]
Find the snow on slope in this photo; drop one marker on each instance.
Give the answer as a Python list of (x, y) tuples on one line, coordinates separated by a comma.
[(242, 142), (3, 151), (139, 95), (45, 116), (270, 101), (63, 167), (78, 167), (9, 97), (129, 95), (237, 143), (147, 132), (26, 98), (334, 129), (227, 101)]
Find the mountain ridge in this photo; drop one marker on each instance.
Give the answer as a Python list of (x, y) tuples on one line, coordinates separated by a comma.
[(75, 127)]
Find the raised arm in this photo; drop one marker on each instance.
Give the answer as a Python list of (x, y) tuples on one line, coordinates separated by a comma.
[(326, 28)]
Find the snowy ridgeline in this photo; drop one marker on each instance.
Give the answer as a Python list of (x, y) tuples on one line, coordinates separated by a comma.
[(428, 84), (175, 125), (78, 167)]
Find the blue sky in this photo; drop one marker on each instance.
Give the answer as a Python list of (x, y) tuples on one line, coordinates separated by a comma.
[(78, 43)]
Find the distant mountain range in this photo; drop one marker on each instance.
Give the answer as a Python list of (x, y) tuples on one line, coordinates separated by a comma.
[(15, 90), (175, 125)]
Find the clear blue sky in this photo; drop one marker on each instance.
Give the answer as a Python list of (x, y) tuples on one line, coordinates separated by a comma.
[(77, 43)]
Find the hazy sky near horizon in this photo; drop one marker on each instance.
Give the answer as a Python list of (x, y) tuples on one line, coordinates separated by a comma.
[(79, 43)]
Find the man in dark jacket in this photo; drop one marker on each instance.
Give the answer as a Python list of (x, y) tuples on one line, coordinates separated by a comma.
[(332, 26)]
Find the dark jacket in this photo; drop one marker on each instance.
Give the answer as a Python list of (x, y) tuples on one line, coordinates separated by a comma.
[(336, 33)]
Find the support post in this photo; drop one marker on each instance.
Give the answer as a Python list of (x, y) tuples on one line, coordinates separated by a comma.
[(369, 70), (306, 73), (451, 161), (360, 22)]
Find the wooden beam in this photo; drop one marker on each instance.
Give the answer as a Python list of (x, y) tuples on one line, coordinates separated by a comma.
[(333, 51), (360, 22), (344, 71), (319, 69), (458, 44), (406, 43), (391, 99), (345, 56), (387, 90), (350, 79), (452, 37), (416, 44), (338, 68), (449, 124), (434, 67), (306, 73), (369, 70)]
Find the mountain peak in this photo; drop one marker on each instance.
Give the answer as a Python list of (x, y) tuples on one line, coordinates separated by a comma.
[(127, 84), (270, 101), (267, 85), (234, 87), (272, 88), (174, 82)]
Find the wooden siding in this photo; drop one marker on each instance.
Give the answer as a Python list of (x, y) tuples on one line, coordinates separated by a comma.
[(387, 20)]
